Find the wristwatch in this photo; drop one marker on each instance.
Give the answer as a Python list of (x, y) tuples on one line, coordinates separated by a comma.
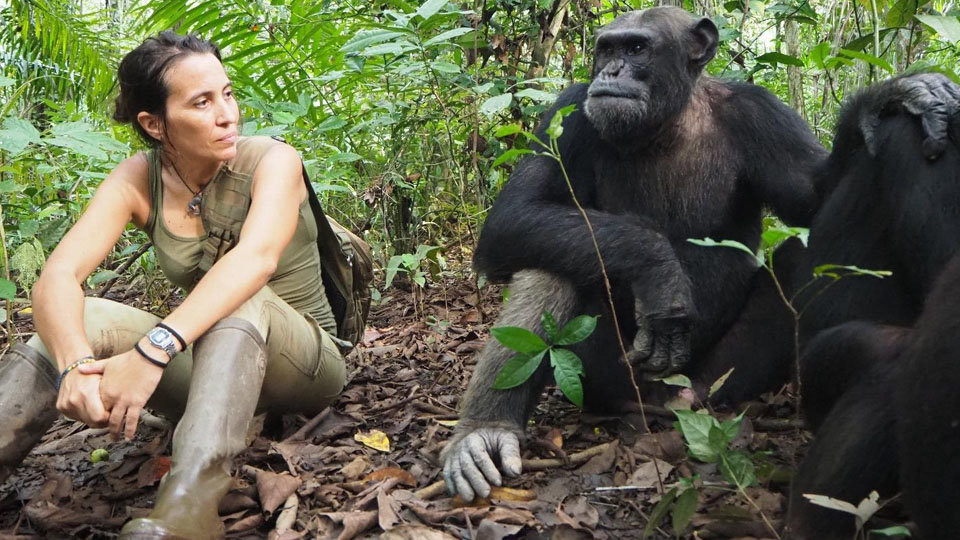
[(162, 339)]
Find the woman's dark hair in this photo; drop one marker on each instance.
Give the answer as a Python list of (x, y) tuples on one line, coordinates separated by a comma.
[(141, 76)]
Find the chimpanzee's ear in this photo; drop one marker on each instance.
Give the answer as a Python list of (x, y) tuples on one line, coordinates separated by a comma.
[(703, 39)]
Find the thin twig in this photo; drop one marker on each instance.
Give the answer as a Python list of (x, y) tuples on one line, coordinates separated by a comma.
[(309, 426), (123, 268), (438, 487)]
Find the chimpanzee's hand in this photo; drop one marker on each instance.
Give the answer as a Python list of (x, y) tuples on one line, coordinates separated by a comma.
[(468, 460), (661, 346), (931, 96)]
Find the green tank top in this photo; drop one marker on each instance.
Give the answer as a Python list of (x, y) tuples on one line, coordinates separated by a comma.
[(297, 278)]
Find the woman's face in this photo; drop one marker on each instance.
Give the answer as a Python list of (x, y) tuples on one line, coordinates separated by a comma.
[(202, 115)]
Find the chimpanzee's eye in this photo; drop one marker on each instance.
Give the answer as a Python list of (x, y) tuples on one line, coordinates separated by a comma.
[(636, 48)]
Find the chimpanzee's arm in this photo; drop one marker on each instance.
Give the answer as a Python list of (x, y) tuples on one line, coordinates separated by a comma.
[(779, 155), (534, 224)]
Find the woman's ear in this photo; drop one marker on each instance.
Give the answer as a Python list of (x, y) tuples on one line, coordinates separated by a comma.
[(151, 123)]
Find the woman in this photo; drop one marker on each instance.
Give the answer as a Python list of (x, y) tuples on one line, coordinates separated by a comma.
[(254, 331)]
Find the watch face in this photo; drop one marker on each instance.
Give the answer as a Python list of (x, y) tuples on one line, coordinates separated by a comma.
[(162, 339)]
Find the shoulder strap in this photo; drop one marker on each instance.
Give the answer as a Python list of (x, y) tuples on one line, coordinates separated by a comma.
[(339, 285)]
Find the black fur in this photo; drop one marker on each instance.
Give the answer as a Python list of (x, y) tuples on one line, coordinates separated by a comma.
[(893, 211), (706, 169)]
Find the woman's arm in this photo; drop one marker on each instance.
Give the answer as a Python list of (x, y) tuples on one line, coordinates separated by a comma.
[(58, 294), (271, 221), (128, 380)]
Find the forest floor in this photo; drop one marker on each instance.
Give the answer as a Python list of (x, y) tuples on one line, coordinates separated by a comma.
[(314, 478)]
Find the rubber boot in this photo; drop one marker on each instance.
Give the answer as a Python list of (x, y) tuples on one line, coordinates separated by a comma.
[(28, 404), (228, 366)]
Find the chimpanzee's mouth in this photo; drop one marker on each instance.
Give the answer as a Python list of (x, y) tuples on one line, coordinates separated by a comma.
[(610, 90)]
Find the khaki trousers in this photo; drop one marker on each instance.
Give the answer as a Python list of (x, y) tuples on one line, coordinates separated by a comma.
[(305, 370)]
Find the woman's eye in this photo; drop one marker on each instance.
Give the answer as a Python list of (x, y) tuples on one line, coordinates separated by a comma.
[(202, 103), (228, 93)]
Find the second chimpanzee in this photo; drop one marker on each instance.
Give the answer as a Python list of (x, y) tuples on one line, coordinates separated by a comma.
[(891, 210), (657, 154)]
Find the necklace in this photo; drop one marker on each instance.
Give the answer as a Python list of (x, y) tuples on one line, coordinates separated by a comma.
[(194, 206)]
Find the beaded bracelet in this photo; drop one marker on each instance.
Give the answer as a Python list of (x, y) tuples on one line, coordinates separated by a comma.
[(85, 360)]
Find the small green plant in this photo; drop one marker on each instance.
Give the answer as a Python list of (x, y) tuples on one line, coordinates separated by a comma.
[(531, 350), (412, 265)]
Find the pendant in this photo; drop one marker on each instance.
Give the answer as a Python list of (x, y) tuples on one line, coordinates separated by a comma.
[(193, 207)]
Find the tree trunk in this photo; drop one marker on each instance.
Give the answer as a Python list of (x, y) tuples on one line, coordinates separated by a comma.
[(791, 33), (543, 46)]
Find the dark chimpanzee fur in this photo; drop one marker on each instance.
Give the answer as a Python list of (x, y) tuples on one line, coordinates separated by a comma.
[(657, 154), (894, 211)]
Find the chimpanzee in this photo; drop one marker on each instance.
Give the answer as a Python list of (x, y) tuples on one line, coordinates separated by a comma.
[(890, 210), (656, 154)]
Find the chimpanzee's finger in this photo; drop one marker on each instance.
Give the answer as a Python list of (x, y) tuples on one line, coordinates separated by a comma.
[(463, 486), (470, 471), (481, 458)]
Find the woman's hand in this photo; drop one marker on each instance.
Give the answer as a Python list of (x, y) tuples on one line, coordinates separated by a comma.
[(128, 382), (79, 398)]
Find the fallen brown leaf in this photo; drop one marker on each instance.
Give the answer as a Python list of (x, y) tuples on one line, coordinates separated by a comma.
[(152, 471), (497, 493), (402, 476), (274, 489), (355, 468)]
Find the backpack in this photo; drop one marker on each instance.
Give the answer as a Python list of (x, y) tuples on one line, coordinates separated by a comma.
[(346, 269), (346, 263)]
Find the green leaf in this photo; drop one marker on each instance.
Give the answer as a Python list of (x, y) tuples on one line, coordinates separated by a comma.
[(896, 530), (517, 370), (10, 186), (518, 339), (6, 81), (447, 36), (103, 276), (870, 59), (684, 509), (537, 95), (510, 155), (550, 326), (8, 291), (710, 242), (774, 236), (17, 134), (395, 48), (737, 468), (393, 266), (819, 54), (659, 512), (831, 270), (731, 428), (779, 58), (696, 429), (508, 129), (946, 26), (577, 330), (365, 38), (445, 67), (496, 104), (678, 380), (430, 8), (567, 369)]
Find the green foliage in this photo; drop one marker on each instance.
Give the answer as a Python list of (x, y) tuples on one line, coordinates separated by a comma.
[(27, 260), (531, 350), (412, 264)]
